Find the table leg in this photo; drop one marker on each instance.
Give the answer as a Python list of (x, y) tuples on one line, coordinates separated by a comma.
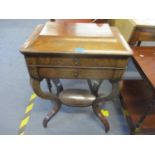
[(57, 103), (101, 100), (54, 110), (145, 114), (138, 43), (49, 85), (94, 87), (58, 85), (97, 111)]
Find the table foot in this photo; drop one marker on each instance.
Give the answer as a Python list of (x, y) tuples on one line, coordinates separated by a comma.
[(100, 100), (54, 110), (98, 113)]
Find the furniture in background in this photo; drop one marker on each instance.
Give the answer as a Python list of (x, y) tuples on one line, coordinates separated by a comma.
[(81, 20), (59, 50), (138, 96), (135, 31)]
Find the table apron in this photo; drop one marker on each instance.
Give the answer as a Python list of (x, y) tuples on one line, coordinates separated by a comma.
[(76, 67), (79, 73)]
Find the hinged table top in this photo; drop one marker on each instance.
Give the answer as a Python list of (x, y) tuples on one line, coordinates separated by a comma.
[(76, 38)]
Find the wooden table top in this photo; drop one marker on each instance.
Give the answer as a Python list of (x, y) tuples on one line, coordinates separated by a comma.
[(76, 38), (145, 59)]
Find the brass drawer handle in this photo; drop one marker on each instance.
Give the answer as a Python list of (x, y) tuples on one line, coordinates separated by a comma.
[(76, 74), (76, 61)]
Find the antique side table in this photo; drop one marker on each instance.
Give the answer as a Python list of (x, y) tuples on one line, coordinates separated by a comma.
[(76, 51)]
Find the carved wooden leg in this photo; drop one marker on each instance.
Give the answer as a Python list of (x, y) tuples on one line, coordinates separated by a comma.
[(149, 108), (37, 89), (97, 111), (57, 84), (102, 100), (54, 110), (94, 87), (49, 85)]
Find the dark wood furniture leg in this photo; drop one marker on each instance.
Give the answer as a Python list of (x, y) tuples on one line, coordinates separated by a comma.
[(54, 110), (138, 43), (57, 84), (102, 100), (97, 111), (138, 105), (147, 111), (46, 95), (94, 87), (49, 85)]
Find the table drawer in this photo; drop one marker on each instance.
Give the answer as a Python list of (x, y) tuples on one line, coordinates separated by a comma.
[(93, 61), (73, 73)]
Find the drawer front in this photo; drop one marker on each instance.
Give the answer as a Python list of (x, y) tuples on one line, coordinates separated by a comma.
[(80, 73), (62, 61)]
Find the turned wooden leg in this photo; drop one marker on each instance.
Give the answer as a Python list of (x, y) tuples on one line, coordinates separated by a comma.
[(46, 95), (102, 100)]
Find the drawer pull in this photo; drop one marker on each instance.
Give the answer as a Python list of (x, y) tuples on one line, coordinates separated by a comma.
[(76, 74), (76, 61)]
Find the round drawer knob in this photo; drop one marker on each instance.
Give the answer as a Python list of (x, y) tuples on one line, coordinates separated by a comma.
[(76, 74), (76, 61)]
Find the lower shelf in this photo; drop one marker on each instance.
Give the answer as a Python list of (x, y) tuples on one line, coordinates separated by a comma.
[(136, 96), (77, 97)]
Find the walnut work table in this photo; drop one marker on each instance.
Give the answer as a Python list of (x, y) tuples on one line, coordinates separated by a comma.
[(76, 51)]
